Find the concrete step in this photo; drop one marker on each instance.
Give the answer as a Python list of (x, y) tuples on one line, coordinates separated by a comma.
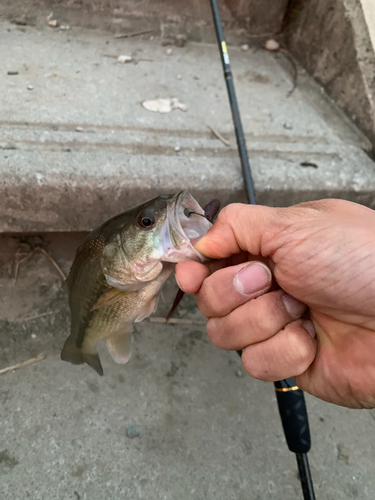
[(57, 177), (165, 17)]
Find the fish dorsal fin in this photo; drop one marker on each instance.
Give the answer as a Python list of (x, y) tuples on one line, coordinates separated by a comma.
[(109, 298)]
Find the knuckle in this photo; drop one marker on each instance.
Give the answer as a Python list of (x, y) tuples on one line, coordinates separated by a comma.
[(213, 332), (205, 302), (253, 367), (301, 351), (266, 314), (218, 334), (227, 212), (208, 299)]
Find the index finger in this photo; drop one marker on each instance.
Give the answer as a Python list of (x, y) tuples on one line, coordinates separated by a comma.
[(238, 228)]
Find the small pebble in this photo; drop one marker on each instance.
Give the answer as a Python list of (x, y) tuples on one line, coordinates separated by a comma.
[(122, 59), (180, 40), (79, 129), (179, 77), (53, 23), (169, 52), (272, 45), (133, 431), (244, 47), (177, 148), (33, 336), (30, 87), (12, 73), (239, 373), (288, 126), (64, 27)]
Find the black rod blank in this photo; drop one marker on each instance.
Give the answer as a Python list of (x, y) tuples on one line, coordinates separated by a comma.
[(305, 476), (241, 144), (290, 398)]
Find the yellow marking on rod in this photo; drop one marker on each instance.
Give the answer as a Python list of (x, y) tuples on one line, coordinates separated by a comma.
[(287, 389), (224, 47)]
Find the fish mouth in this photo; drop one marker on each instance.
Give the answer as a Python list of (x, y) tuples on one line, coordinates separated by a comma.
[(185, 225)]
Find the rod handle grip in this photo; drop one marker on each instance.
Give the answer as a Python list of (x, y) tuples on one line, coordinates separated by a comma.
[(293, 414)]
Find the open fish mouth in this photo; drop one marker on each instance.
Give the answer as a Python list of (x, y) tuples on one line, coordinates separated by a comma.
[(185, 224)]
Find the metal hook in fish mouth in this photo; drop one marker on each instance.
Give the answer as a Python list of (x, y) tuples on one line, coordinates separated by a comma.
[(210, 211), (188, 212)]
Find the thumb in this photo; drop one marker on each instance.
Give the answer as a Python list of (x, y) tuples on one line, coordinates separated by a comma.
[(240, 227)]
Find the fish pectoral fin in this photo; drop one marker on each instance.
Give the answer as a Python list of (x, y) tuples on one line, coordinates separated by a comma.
[(120, 344), (147, 309), (77, 356), (108, 298)]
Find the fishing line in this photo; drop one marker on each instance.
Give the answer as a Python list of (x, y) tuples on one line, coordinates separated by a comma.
[(290, 398)]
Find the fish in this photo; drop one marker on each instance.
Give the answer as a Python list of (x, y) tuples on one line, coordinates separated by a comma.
[(119, 270)]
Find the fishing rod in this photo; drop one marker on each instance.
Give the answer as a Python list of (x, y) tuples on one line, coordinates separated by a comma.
[(290, 398)]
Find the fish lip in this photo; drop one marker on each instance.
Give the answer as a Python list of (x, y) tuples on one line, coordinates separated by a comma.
[(185, 199), (176, 243)]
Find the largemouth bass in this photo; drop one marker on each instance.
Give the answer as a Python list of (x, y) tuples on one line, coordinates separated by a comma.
[(119, 270)]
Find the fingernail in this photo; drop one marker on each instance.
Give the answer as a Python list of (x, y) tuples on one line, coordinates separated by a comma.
[(253, 278), (308, 325), (294, 307)]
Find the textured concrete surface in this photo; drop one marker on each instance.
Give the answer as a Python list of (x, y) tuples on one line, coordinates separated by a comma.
[(252, 17), (204, 431), (331, 39), (78, 147)]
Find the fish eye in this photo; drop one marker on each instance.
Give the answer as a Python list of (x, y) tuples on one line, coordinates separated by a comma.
[(146, 221)]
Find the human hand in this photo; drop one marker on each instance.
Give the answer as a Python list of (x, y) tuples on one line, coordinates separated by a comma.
[(319, 328)]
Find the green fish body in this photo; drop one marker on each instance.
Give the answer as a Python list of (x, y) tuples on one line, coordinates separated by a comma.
[(118, 272)]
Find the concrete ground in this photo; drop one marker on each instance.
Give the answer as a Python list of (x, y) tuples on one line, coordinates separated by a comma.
[(206, 430)]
